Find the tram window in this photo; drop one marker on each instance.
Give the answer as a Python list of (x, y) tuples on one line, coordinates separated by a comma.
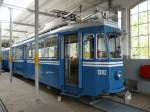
[(3, 56), (7, 57), (33, 50), (13, 53), (30, 51), (88, 46), (73, 50), (51, 47), (101, 48), (46, 52), (41, 49), (114, 46), (18, 53)]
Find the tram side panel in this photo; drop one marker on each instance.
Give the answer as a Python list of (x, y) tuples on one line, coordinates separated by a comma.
[(96, 78), (5, 62), (19, 62), (49, 72), (48, 64), (30, 68)]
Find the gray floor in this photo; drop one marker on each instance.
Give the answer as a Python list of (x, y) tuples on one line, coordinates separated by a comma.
[(20, 97)]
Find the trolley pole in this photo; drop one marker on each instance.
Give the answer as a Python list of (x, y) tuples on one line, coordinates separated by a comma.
[(36, 57), (10, 51), (0, 50)]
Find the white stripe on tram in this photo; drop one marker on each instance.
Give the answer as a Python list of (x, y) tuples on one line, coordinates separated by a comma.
[(46, 62), (17, 61), (113, 65), (103, 63)]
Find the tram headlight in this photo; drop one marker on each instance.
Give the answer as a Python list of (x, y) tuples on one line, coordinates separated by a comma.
[(118, 75)]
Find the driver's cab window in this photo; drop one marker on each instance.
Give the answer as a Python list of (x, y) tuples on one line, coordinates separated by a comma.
[(101, 48), (114, 46), (88, 46)]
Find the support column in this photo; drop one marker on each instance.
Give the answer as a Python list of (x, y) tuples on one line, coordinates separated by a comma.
[(126, 33), (36, 57), (0, 50), (10, 51)]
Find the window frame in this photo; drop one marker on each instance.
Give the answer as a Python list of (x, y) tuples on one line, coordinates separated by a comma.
[(29, 47), (41, 41), (105, 42), (83, 46), (115, 49), (17, 50), (57, 45)]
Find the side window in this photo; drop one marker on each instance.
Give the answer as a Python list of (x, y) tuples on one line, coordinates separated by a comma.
[(41, 49), (18, 53), (30, 51), (4, 55), (51, 47), (88, 46), (13, 53), (101, 48), (33, 49)]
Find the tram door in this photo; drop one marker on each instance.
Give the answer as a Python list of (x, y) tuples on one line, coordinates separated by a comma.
[(71, 59)]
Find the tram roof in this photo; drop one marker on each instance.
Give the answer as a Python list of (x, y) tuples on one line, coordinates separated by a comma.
[(72, 27)]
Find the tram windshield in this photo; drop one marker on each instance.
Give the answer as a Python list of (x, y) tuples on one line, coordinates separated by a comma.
[(114, 45), (101, 48), (88, 46)]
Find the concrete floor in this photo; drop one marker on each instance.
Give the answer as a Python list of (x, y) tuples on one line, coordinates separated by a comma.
[(20, 97), (139, 100)]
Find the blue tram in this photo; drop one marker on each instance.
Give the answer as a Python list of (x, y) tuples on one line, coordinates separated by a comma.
[(79, 59)]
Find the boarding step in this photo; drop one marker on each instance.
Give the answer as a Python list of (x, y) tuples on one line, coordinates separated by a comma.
[(112, 106), (71, 91)]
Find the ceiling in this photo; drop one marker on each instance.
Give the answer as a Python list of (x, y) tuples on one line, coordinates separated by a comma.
[(24, 19), (27, 17)]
